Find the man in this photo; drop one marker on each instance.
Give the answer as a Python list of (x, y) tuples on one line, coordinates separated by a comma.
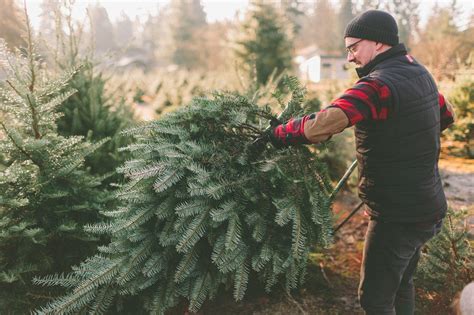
[(398, 115)]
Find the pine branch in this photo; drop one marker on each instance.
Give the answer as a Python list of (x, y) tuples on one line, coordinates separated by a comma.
[(298, 235), (101, 276), (29, 156), (142, 215), (186, 266), (199, 292), (31, 54), (154, 265), (240, 282), (233, 234), (103, 300), (137, 256), (34, 115), (195, 232)]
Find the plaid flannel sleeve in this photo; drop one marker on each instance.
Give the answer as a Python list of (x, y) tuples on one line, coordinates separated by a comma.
[(368, 99), (446, 116)]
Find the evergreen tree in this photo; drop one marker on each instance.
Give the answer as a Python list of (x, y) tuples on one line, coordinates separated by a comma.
[(365, 5), (205, 210), (325, 27), (11, 24), (47, 28), (124, 30), (265, 47), (448, 263), (102, 29), (462, 97), (406, 14), (345, 15), (187, 22), (440, 44), (46, 196), (293, 11), (91, 112), (156, 36)]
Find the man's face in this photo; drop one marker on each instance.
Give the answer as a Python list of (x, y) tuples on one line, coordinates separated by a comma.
[(360, 51)]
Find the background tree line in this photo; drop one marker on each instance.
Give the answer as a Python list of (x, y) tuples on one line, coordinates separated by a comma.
[(180, 35)]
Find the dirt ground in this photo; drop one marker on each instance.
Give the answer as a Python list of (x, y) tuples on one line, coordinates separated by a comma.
[(458, 180), (333, 275)]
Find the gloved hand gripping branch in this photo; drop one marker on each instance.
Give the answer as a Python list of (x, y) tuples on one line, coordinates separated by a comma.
[(282, 135), (292, 133), (266, 136)]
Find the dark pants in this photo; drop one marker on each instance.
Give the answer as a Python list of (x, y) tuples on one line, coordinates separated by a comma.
[(391, 254)]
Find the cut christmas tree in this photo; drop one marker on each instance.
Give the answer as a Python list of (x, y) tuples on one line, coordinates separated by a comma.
[(204, 210)]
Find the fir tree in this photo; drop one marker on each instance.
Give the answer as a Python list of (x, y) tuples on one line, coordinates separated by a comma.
[(102, 29), (187, 19), (462, 97), (91, 112), (324, 23), (265, 47), (345, 15), (293, 11), (46, 196), (406, 14), (11, 23), (448, 263), (204, 210)]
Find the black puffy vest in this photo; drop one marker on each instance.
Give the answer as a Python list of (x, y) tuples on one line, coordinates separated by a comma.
[(398, 158)]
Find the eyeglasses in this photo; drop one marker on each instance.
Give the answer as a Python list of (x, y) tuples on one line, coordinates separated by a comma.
[(350, 48)]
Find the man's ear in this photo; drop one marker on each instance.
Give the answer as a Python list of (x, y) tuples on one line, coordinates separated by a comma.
[(379, 46)]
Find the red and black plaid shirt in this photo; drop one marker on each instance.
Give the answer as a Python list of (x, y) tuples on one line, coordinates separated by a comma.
[(372, 99), (369, 98)]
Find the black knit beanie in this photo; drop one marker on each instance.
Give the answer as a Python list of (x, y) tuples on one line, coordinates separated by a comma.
[(375, 25)]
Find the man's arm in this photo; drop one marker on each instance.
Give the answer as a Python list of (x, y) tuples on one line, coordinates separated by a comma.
[(325, 124), (447, 115), (368, 99), (313, 128)]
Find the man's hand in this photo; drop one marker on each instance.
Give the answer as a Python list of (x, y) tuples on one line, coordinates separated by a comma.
[(291, 133), (283, 135), (267, 136)]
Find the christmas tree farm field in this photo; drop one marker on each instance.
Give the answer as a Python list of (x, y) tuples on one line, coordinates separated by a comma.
[(203, 211)]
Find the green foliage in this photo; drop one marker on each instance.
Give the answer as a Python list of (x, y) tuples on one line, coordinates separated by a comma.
[(187, 20), (46, 196), (91, 113), (137, 97), (163, 91), (462, 97), (204, 210), (178, 88), (312, 103), (265, 47), (294, 12), (448, 264)]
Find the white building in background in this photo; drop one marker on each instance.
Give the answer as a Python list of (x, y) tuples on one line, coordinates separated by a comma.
[(315, 66)]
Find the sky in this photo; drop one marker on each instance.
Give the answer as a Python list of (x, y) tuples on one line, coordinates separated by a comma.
[(216, 10)]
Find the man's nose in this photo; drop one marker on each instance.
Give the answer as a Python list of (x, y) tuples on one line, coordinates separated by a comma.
[(350, 57)]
